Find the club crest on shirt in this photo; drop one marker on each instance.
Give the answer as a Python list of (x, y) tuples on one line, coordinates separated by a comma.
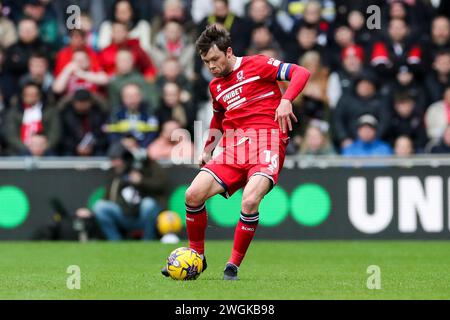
[(240, 76)]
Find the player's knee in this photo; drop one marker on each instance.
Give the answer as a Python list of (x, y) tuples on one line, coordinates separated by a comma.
[(194, 196), (250, 203)]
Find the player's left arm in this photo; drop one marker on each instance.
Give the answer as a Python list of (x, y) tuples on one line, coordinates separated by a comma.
[(298, 77)]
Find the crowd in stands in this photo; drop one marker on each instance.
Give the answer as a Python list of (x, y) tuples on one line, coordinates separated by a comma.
[(131, 71)]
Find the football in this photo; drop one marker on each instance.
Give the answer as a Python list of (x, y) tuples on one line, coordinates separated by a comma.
[(184, 264), (168, 222)]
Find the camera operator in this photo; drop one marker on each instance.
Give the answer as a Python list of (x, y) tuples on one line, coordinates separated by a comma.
[(133, 196)]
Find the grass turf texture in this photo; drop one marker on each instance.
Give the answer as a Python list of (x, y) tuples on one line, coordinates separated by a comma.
[(271, 270)]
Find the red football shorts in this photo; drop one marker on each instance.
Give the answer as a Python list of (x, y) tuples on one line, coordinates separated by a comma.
[(238, 162)]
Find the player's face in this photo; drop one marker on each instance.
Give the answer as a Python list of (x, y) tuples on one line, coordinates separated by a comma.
[(218, 62)]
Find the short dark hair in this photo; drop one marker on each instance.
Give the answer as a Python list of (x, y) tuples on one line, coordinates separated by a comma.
[(213, 35), (224, 1), (403, 96)]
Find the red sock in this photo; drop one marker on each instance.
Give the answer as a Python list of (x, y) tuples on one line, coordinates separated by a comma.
[(243, 235), (196, 222)]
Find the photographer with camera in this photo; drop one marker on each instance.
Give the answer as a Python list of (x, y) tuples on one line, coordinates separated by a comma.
[(133, 195)]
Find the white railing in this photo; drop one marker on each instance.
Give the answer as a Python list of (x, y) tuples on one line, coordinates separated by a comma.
[(291, 162)]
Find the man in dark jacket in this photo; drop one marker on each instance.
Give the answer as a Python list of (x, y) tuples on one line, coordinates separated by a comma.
[(406, 120), (365, 100), (398, 49), (133, 197), (439, 78), (82, 119), (18, 54)]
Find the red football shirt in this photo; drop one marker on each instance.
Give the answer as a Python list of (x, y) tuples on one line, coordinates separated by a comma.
[(250, 95)]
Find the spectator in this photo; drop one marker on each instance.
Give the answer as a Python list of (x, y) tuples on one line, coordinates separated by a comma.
[(396, 50), (443, 146), (125, 74), (344, 38), (439, 78), (437, 116), (312, 16), (29, 42), (406, 120), (342, 81), (317, 141), (32, 127), (236, 26), (297, 9), (134, 118), (440, 33), (306, 40), (403, 146), (8, 36), (440, 39), (261, 39), (126, 14), (77, 42), (171, 72), (175, 10), (405, 81), (172, 108), (172, 41), (356, 20), (398, 9), (87, 26), (46, 19), (172, 145), (364, 100), (367, 144), (133, 196), (120, 40), (260, 12), (82, 119), (200, 9), (38, 72), (79, 74), (313, 102), (8, 87)]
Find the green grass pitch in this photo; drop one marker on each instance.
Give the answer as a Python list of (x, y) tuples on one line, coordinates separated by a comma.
[(271, 270)]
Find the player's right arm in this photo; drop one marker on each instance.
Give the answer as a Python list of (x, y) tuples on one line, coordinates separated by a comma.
[(215, 131)]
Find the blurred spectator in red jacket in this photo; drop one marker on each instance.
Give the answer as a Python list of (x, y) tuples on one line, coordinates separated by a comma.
[(77, 42), (120, 40), (78, 74)]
